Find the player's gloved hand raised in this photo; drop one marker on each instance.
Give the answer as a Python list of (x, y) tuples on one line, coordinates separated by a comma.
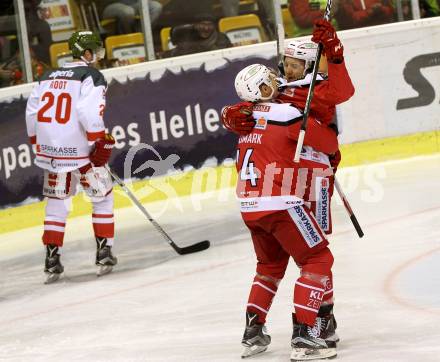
[(238, 118), (102, 150), (325, 33)]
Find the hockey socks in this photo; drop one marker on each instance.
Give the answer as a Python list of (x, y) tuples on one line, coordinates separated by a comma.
[(328, 293), (307, 299), (53, 232), (260, 297), (104, 227)]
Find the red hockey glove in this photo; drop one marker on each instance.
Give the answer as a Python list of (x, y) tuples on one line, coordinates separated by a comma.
[(325, 33), (335, 159), (102, 151), (238, 118)]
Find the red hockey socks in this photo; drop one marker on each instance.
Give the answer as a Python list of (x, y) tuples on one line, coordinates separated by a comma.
[(53, 232), (55, 221), (328, 293), (103, 225), (307, 300), (260, 297), (103, 220)]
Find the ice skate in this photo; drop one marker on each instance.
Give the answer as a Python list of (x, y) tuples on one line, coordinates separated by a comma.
[(308, 345), (328, 325), (52, 265), (104, 257), (255, 337)]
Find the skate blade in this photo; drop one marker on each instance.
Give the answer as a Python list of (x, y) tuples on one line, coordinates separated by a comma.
[(52, 278), (104, 269), (309, 354), (252, 351), (333, 338)]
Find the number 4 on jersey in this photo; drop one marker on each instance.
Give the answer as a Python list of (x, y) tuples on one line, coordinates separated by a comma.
[(247, 171)]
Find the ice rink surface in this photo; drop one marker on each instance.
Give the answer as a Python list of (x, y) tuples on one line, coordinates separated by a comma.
[(157, 306)]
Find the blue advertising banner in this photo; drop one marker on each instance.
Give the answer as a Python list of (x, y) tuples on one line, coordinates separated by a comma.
[(176, 114)]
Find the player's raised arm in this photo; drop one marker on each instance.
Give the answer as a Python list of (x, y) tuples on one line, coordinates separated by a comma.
[(338, 88)]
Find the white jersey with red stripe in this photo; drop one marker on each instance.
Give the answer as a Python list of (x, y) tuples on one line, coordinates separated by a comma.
[(64, 116), (268, 178)]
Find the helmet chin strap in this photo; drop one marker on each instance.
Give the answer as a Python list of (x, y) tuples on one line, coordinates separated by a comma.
[(89, 61)]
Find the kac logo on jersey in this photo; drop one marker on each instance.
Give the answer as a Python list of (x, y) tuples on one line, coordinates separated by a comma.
[(261, 123)]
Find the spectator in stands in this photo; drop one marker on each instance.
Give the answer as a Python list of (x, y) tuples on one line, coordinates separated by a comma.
[(11, 71), (178, 12), (39, 33), (305, 12), (200, 36), (266, 13), (125, 11), (352, 14)]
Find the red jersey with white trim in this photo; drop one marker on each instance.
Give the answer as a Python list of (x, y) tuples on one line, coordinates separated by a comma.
[(328, 92), (268, 178), (64, 116)]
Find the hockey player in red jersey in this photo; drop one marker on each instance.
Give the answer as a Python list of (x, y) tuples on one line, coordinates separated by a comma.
[(64, 118), (275, 196), (329, 91)]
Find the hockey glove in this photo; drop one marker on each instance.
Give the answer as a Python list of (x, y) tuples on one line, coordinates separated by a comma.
[(238, 118), (325, 33), (102, 150), (335, 159)]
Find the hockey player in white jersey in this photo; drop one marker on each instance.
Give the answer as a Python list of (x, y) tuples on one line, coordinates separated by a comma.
[(64, 118)]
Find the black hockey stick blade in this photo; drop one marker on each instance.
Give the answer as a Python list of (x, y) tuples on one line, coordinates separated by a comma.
[(357, 226), (195, 248)]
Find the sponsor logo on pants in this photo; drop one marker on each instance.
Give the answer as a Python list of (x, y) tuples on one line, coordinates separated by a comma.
[(322, 203), (305, 226)]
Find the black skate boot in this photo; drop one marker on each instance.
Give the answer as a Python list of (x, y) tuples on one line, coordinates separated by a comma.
[(255, 337), (307, 343), (52, 265), (104, 257), (328, 325)]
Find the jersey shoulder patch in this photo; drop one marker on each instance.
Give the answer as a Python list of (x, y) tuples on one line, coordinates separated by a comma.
[(76, 73), (97, 76)]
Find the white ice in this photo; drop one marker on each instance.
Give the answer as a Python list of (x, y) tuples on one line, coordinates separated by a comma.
[(157, 306)]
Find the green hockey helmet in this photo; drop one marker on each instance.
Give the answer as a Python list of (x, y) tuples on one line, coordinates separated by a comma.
[(80, 41)]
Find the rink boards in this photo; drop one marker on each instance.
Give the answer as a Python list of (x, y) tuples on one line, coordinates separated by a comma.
[(174, 106)]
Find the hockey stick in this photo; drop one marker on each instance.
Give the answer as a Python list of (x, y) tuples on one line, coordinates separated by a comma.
[(302, 132), (349, 209), (194, 248), (280, 44)]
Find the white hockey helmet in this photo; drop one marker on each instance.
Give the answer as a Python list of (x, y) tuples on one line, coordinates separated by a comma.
[(302, 49), (249, 80)]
